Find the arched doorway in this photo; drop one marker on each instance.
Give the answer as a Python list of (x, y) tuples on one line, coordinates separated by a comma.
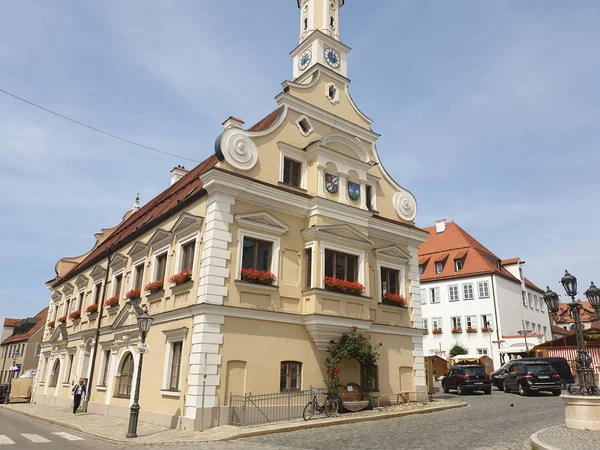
[(126, 376), (54, 374)]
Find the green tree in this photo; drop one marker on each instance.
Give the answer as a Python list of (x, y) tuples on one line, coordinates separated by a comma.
[(457, 349)]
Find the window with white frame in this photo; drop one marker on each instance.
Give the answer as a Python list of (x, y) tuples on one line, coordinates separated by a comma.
[(117, 285), (486, 321), (456, 323), (97, 293), (105, 367), (258, 251), (290, 376), (541, 304), (436, 323), (471, 322), (423, 296), (530, 300), (524, 299), (434, 294), (67, 306), (536, 302), (308, 253), (186, 255), (482, 351), (160, 266), (527, 325), (439, 267), (425, 324), (468, 291), (545, 332), (69, 368), (421, 269), (390, 281), (80, 298), (484, 289), (292, 172), (459, 264), (453, 293), (173, 361), (138, 275), (341, 266)]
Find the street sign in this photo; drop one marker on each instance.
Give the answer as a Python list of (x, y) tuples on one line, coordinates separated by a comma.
[(16, 368), (143, 349)]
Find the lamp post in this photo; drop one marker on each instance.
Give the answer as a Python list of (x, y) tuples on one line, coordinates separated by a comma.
[(585, 385), (144, 321), (16, 355)]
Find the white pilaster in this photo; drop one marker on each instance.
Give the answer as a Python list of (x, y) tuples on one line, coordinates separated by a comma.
[(343, 193), (321, 181), (363, 194)]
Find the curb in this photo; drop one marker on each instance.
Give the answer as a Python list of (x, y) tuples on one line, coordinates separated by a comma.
[(340, 421), (253, 433), (537, 443)]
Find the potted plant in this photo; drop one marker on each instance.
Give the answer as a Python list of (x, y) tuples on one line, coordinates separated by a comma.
[(133, 294), (92, 309), (343, 286), (437, 331), (112, 302), (62, 319), (394, 299), (254, 276), (181, 278), (75, 315), (456, 330), (486, 330), (155, 286), (471, 330), (51, 324)]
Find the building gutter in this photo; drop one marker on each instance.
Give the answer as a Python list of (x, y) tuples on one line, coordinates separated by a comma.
[(496, 311)]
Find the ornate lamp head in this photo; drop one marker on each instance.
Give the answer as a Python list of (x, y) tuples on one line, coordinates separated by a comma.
[(593, 296), (552, 301), (569, 282), (144, 321)]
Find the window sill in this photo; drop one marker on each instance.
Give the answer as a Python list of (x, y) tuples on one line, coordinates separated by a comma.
[(122, 396), (167, 393), (388, 307), (67, 384), (291, 186), (268, 287), (319, 291), (101, 388), (155, 296), (112, 309), (185, 287)]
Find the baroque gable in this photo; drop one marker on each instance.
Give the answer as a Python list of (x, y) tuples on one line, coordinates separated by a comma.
[(159, 238), (138, 250), (343, 233), (262, 221), (98, 273), (186, 223), (81, 282), (118, 261), (393, 252), (68, 289)]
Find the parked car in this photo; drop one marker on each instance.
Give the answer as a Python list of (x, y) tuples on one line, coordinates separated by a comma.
[(3, 393), (526, 377), (561, 365), (467, 378), (496, 377)]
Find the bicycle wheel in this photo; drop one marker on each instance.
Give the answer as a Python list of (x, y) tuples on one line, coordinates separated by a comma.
[(309, 410), (331, 407)]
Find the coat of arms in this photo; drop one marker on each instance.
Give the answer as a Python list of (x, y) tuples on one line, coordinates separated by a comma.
[(332, 183), (353, 190)]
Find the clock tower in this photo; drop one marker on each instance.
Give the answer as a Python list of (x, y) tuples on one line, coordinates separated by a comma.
[(320, 37)]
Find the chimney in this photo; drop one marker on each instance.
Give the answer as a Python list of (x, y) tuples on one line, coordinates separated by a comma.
[(440, 226), (177, 174), (233, 122)]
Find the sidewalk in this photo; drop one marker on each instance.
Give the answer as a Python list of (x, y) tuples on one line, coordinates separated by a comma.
[(563, 438), (114, 429)]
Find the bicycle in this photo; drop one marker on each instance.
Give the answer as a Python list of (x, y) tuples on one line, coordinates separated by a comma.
[(330, 407)]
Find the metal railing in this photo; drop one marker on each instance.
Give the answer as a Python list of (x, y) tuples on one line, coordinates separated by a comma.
[(247, 410)]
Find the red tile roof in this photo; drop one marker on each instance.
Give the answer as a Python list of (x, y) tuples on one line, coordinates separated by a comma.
[(560, 330), (164, 204), (564, 317), (532, 286), (10, 322), (267, 122), (510, 261), (42, 316), (452, 244)]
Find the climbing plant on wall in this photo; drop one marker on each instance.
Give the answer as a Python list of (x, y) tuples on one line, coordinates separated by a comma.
[(352, 345)]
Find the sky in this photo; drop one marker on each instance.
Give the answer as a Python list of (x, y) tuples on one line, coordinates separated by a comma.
[(489, 114)]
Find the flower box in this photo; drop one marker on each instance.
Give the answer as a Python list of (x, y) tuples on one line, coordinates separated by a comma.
[(112, 302), (181, 278), (263, 277), (155, 286), (133, 294), (92, 309), (456, 330), (62, 319), (75, 315), (51, 324), (437, 331), (486, 330), (345, 287), (471, 330), (394, 300)]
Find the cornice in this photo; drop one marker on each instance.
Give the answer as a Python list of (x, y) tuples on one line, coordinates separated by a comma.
[(319, 35)]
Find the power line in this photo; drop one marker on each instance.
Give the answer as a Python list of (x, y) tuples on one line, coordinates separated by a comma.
[(97, 129)]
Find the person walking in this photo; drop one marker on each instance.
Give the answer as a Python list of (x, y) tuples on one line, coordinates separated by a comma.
[(78, 392)]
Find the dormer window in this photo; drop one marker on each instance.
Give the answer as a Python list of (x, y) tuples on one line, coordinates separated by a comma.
[(421, 269), (459, 264), (439, 267)]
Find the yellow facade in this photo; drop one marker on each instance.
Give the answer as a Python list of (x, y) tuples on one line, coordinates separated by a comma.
[(232, 336)]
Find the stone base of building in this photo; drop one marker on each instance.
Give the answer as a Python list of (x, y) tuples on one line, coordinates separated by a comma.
[(582, 412)]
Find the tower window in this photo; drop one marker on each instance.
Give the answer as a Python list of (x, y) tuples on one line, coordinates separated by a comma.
[(369, 197), (332, 93), (305, 24), (332, 22)]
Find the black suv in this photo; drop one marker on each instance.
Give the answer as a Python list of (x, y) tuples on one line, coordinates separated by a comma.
[(531, 376), (561, 365), (467, 378), (497, 376)]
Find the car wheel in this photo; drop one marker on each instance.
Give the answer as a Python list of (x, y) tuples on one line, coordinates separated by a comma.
[(500, 386), (487, 391), (459, 389), (445, 388), (506, 389), (556, 393), (522, 390)]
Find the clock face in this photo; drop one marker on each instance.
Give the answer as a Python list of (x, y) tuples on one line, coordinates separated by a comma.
[(333, 58), (304, 60)]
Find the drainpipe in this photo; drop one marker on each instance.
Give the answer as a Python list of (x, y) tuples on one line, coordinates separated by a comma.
[(98, 324), (496, 313)]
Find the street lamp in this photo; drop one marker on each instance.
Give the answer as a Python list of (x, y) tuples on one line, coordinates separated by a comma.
[(144, 321), (586, 385)]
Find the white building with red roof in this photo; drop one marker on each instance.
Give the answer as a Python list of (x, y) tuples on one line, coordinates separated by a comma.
[(472, 297)]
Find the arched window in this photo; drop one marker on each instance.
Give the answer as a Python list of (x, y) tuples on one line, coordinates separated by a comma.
[(126, 377), (55, 373)]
